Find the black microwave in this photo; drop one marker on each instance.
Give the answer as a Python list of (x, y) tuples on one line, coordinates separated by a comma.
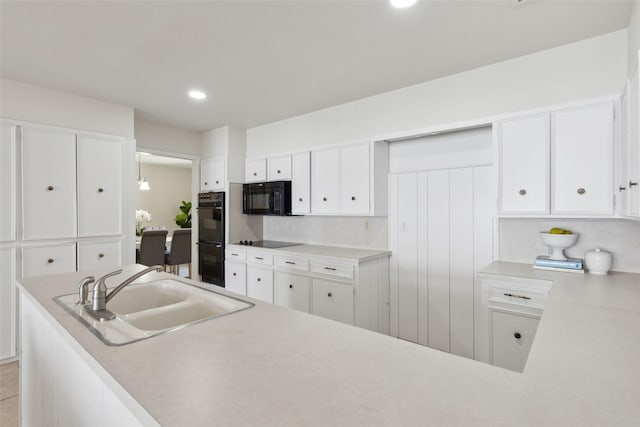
[(267, 198)]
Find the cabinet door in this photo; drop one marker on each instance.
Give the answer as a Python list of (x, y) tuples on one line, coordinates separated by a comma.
[(212, 174), (235, 277), (7, 181), (325, 181), (354, 177), (255, 170), (279, 168), (582, 156), (49, 183), (511, 338), (333, 300), (94, 256), (633, 181), (624, 175), (301, 183), (292, 290), (7, 303), (524, 164), (50, 259), (260, 283), (99, 186)]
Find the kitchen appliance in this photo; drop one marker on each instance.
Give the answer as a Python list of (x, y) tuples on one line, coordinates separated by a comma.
[(269, 244), (211, 237), (267, 198), (598, 261)]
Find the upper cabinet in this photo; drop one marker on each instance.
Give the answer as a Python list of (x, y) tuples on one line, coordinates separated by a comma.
[(99, 186), (350, 180), (279, 168), (48, 183), (629, 177), (255, 170), (558, 163), (301, 183), (7, 181), (213, 174)]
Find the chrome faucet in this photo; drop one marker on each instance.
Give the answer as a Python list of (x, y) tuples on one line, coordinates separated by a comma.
[(83, 289), (98, 307)]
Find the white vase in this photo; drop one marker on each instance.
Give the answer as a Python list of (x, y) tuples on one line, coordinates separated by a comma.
[(598, 261)]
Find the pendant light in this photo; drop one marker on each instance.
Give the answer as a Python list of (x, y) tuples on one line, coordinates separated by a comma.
[(143, 184)]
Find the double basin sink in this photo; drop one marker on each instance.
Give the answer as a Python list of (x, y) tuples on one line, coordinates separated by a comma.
[(153, 308)]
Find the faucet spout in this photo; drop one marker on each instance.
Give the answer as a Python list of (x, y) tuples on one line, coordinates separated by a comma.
[(130, 280)]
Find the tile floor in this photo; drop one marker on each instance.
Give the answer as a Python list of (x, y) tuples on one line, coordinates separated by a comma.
[(9, 395)]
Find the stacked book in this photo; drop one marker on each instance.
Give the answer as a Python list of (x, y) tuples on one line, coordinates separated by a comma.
[(573, 265)]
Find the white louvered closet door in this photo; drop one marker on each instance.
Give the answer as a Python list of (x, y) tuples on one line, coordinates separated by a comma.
[(441, 228)]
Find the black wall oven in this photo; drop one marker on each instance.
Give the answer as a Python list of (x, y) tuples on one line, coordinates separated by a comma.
[(211, 237), (267, 198)]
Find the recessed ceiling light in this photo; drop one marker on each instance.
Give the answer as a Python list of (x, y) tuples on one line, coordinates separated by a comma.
[(196, 94), (401, 4)]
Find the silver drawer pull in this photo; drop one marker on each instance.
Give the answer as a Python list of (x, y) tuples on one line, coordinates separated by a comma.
[(330, 268), (516, 296), (235, 254), (259, 257), (290, 262)]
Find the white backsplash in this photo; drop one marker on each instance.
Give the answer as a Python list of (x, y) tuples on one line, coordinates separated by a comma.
[(520, 242), (356, 232)]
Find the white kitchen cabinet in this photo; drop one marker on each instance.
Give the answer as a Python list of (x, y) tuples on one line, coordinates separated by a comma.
[(260, 282), (325, 181), (106, 255), (355, 179), (7, 181), (292, 290), (629, 184), (41, 260), (235, 277), (255, 170), (333, 300), (279, 168), (523, 145), (582, 160), (7, 303), (99, 186), (48, 183), (301, 183), (510, 309), (213, 174)]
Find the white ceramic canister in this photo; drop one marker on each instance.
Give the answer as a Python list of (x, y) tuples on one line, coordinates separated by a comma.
[(598, 261)]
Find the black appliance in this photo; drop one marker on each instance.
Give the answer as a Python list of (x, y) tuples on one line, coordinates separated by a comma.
[(267, 198), (211, 237), (270, 244)]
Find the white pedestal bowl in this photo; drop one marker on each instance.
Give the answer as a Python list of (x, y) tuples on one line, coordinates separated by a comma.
[(558, 243)]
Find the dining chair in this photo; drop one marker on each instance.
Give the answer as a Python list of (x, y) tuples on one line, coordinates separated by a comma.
[(152, 247), (180, 252)]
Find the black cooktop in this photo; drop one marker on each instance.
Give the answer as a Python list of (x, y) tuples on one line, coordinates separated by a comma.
[(271, 244)]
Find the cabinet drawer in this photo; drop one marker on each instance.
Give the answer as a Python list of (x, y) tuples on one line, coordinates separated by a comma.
[(292, 263), (292, 290), (99, 256), (260, 283), (517, 295), (235, 255), (333, 300), (331, 269), (511, 338), (259, 258), (235, 277), (45, 260)]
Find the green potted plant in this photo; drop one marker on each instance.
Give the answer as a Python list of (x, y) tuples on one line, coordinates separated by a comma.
[(183, 219)]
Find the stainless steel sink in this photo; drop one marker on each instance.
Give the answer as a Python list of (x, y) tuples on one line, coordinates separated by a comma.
[(153, 308)]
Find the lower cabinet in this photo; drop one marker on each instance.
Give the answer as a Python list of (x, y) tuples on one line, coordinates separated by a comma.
[(509, 310), (342, 289), (99, 255), (293, 291), (260, 283), (48, 259), (7, 303), (333, 300)]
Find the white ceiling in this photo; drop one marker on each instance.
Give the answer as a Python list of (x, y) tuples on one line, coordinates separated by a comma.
[(262, 61)]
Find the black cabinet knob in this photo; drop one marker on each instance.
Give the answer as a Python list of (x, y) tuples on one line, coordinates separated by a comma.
[(50, 260), (290, 286), (100, 255), (234, 274), (517, 335), (100, 190), (206, 183), (353, 197), (278, 171), (329, 295), (522, 192), (258, 279), (217, 182), (581, 191), (300, 199), (324, 199), (50, 188)]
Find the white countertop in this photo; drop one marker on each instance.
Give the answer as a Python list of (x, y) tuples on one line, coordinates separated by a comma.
[(270, 366), (355, 254)]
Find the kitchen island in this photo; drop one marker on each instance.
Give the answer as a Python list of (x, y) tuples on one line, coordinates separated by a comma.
[(273, 366)]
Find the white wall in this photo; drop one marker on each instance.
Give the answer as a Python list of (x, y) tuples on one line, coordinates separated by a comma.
[(165, 138), (520, 242), (589, 68), (169, 187), (633, 40), (36, 104)]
